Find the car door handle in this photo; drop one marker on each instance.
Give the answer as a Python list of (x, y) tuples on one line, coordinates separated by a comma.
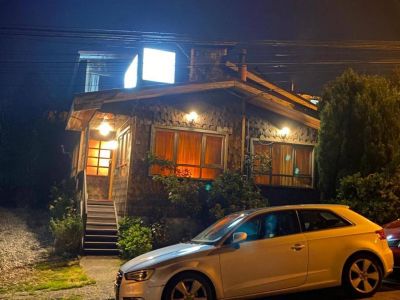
[(297, 247)]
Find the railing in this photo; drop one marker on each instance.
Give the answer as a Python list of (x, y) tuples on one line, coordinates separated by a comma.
[(83, 198)]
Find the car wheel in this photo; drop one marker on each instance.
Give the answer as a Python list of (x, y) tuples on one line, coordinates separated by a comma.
[(362, 276), (189, 286)]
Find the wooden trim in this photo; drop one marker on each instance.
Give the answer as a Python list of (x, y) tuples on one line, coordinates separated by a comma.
[(273, 87)]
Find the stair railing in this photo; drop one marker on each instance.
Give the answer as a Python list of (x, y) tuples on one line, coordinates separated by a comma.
[(83, 201)]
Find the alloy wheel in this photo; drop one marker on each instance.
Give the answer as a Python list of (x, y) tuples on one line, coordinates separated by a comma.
[(189, 289), (364, 275)]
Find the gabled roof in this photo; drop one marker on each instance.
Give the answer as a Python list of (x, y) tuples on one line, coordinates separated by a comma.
[(85, 105)]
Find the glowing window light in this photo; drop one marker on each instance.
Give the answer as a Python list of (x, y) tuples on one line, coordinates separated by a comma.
[(104, 128), (158, 65), (130, 79)]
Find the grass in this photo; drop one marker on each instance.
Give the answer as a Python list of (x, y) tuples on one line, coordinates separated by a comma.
[(51, 276)]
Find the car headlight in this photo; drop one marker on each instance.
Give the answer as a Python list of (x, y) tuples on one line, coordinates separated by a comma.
[(141, 275)]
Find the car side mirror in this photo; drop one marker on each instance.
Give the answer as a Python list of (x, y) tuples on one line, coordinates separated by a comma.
[(239, 237)]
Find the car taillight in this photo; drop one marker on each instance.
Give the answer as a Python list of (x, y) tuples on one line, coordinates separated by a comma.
[(381, 234)]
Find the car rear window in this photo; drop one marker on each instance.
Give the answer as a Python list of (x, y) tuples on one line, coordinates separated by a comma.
[(312, 220)]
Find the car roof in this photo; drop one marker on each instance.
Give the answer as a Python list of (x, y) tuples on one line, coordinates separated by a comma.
[(297, 206)]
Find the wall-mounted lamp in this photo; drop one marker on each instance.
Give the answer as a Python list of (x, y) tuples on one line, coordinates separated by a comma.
[(192, 116), (104, 128), (284, 132)]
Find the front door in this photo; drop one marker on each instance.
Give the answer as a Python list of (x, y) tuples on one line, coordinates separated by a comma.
[(274, 256), (98, 166)]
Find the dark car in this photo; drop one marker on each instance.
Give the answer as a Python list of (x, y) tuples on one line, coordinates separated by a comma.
[(392, 231)]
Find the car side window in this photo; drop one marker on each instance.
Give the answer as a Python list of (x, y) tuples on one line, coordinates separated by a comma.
[(280, 223), (252, 228), (312, 220)]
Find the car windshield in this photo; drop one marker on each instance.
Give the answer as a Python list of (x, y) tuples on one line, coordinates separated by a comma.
[(216, 231)]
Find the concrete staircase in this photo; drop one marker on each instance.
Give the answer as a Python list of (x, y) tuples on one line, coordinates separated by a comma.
[(101, 228)]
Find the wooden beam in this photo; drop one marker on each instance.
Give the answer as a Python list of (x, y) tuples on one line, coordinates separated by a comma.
[(96, 99), (273, 87)]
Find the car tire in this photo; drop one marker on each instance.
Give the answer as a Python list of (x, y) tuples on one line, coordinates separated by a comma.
[(189, 285), (362, 276)]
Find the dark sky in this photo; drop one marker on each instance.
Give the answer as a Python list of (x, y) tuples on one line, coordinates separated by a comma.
[(301, 23), (230, 19)]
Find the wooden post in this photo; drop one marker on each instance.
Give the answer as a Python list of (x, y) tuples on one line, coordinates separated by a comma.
[(243, 66), (243, 140)]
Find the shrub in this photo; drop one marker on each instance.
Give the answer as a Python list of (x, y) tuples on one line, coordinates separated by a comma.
[(67, 234), (376, 196), (233, 192), (183, 192), (62, 200), (134, 238)]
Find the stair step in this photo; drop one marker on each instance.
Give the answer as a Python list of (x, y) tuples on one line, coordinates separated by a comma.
[(103, 202), (100, 238), (101, 207), (102, 223), (93, 251), (103, 220), (100, 245), (100, 231)]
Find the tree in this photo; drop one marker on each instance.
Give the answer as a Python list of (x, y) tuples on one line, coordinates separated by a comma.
[(32, 130), (359, 128)]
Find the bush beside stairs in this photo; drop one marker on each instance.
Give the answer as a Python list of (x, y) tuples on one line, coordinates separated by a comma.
[(101, 228)]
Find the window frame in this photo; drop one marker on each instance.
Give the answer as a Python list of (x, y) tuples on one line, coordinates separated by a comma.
[(345, 220), (205, 133), (261, 217), (294, 145), (98, 157)]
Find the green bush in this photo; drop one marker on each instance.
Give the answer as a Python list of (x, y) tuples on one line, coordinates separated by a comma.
[(183, 192), (67, 234), (62, 200), (233, 192), (134, 238), (376, 196)]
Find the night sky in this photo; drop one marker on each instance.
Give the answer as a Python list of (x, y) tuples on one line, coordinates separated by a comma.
[(304, 42)]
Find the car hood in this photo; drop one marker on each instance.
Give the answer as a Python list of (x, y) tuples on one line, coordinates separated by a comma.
[(175, 252)]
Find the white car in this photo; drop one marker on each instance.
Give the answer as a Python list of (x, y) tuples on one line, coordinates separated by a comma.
[(264, 252)]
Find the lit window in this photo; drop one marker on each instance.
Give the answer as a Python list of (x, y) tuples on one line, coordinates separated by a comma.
[(130, 80), (290, 165), (158, 65), (99, 158), (194, 154)]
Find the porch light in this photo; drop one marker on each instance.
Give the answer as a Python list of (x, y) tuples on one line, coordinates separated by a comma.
[(192, 116), (104, 128), (284, 132)]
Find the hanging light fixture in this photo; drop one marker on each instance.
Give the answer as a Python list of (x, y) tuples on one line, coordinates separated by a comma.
[(104, 128)]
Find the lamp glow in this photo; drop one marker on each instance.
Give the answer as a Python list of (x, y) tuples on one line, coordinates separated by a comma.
[(192, 116), (104, 128), (284, 132), (113, 144)]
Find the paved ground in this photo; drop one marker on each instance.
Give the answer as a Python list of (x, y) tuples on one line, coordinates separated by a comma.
[(390, 291)]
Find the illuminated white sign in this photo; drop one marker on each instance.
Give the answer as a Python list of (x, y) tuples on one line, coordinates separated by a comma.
[(130, 79), (158, 65)]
